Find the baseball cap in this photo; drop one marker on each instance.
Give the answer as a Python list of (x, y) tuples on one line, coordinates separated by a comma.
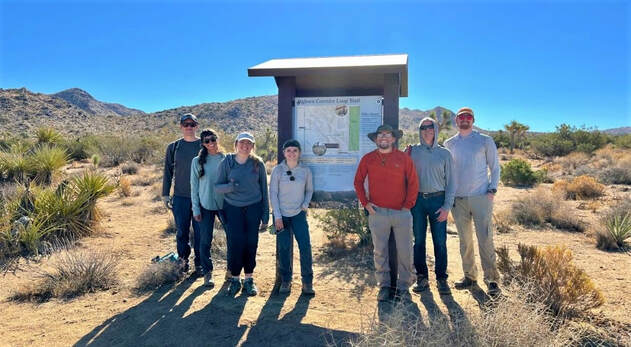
[(188, 116), (245, 136)]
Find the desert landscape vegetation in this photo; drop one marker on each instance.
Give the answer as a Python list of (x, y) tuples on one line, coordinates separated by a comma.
[(81, 220)]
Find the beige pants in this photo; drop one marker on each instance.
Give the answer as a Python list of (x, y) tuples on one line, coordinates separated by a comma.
[(401, 223), (480, 209)]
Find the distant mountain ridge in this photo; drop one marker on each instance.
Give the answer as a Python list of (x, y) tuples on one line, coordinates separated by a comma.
[(86, 102)]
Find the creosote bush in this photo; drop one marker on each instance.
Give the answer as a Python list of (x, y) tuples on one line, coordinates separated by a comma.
[(517, 172), (74, 274), (543, 206), (580, 188), (552, 277), (338, 224)]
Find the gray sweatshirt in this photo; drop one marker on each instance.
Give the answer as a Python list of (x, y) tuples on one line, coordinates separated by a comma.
[(203, 188), (434, 167), (243, 184), (289, 197), (180, 168), (474, 155)]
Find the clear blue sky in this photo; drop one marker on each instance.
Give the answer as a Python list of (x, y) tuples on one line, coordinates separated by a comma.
[(541, 63)]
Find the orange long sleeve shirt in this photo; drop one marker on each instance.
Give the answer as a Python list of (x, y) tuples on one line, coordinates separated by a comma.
[(392, 180)]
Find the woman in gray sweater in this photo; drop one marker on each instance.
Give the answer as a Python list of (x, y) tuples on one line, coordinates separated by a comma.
[(291, 189), (243, 181)]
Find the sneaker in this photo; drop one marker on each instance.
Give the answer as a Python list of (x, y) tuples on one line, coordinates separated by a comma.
[(464, 283), (403, 295), (228, 274), (208, 280), (249, 287), (307, 289), (285, 288), (235, 286), (384, 294), (198, 271), (421, 285), (494, 290), (443, 286)]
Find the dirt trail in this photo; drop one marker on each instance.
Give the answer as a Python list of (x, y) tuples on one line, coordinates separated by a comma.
[(189, 314)]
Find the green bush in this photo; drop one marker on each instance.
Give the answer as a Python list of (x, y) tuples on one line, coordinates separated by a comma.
[(78, 148), (517, 172), (623, 141), (47, 161), (615, 175), (566, 139), (340, 223), (117, 150)]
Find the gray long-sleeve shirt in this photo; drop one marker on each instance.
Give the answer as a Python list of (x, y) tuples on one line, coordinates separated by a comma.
[(434, 167), (289, 197), (203, 188), (243, 184), (180, 168), (474, 156)]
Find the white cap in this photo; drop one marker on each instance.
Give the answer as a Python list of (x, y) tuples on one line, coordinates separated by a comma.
[(246, 136)]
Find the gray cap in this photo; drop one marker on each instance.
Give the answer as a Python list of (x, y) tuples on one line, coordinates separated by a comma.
[(245, 136), (188, 116)]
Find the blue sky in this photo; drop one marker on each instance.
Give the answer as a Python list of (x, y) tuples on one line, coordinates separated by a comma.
[(539, 62)]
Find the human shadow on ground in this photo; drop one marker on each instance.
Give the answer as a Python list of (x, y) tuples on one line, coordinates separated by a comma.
[(354, 266), (160, 320), (433, 311), (457, 315), (403, 313)]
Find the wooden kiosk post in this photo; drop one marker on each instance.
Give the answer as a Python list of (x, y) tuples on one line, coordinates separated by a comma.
[(368, 75)]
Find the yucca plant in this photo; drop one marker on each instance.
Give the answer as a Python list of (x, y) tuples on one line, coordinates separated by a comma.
[(65, 211), (619, 227), (90, 187), (46, 161), (33, 235), (48, 135), (14, 165)]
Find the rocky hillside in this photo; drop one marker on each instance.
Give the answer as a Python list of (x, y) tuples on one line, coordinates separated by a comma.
[(81, 99)]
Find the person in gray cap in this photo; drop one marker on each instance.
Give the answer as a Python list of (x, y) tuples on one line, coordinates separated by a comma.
[(392, 191), (291, 189), (475, 155), (177, 167), (434, 167), (242, 179)]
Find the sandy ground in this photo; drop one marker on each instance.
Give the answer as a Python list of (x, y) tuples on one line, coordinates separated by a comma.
[(189, 314)]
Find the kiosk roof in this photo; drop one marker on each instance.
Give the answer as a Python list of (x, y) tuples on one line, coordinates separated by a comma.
[(365, 69)]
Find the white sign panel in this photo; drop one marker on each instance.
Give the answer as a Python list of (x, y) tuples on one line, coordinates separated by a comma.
[(333, 133)]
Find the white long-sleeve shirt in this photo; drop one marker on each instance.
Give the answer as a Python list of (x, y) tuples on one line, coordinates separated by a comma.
[(288, 197), (474, 156)]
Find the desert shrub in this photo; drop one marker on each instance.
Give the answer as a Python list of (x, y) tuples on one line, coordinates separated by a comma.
[(614, 228), (623, 141), (96, 160), (157, 275), (14, 165), (502, 221), (47, 136), (580, 188), (543, 206), (340, 223), (566, 139), (553, 278), (147, 180), (117, 150), (74, 274), (78, 148), (129, 168), (517, 172), (615, 175), (124, 186), (46, 161), (171, 227)]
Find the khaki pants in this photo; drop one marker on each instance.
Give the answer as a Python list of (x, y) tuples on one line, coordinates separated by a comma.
[(480, 209), (401, 223)]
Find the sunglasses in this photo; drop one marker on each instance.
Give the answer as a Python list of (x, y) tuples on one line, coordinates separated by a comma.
[(384, 134), (465, 116), (290, 174), (210, 139), (188, 124), (425, 127)]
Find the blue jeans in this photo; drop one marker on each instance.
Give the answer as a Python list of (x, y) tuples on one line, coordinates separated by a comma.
[(297, 224), (206, 227), (424, 210), (183, 215), (243, 236)]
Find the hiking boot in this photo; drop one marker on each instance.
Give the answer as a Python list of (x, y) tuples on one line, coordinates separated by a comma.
[(228, 274), (183, 266), (249, 287), (235, 286), (403, 295), (443, 286), (384, 294), (285, 288), (464, 283), (307, 289), (494, 290), (421, 285), (208, 280), (198, 271)]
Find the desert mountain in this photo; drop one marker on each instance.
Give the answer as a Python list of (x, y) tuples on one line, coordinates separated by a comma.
[(89, 104)]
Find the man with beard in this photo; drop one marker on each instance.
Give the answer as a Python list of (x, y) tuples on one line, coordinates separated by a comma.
[(392, 190), (474, 155)]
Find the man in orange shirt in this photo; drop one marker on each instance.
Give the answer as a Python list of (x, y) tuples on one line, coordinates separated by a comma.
[(392, 191)]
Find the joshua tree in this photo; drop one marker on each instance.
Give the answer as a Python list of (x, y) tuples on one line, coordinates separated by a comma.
[(445, 120), (516, 131)]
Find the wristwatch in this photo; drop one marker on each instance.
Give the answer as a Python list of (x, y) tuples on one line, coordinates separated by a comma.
[(492, 191)]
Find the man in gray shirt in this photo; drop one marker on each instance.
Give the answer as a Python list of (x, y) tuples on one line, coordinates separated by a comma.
[(434, 167), (177, 166), (474, 156)]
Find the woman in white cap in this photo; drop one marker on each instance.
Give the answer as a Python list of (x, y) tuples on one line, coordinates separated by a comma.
[(243, 181), (291, 189)]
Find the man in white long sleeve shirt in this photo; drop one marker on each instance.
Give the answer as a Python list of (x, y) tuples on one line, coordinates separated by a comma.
[(474, 156)]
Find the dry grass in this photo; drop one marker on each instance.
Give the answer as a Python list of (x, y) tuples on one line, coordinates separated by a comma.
[(171, 228), (502, 221), (510, 321), (129, 168), (145, 180), (157, 275), (573, 161), (74, 273), (552, 279), (544, 206), (580, 188), (124, 186)]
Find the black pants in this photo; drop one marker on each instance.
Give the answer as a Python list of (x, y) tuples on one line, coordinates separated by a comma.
[(206, 227), (243, 236)]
